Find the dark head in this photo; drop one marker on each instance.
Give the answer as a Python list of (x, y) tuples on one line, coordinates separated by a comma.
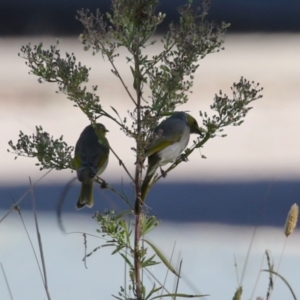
[(100, 129), (192, 123)]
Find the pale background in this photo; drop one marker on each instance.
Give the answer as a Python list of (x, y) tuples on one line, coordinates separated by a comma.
[(265, 147)]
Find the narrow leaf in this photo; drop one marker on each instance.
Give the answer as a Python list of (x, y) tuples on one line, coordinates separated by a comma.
[(127, 260), (284, 280), (122, 214), (120, 247), (154, 290), (179, 295), (149, 262), (116, 113), (162, 257)]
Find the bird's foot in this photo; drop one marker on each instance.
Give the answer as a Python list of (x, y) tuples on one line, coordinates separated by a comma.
[(103, 184), (183, 158), (163, 173)]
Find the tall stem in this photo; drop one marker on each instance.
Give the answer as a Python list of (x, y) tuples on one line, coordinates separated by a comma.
[(137, 265), (138, 173)]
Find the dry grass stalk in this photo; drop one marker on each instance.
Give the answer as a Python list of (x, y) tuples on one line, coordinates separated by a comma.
[(291, 220)]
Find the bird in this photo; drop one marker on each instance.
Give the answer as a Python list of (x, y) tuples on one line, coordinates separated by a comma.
[(90, 160), (172, 137)]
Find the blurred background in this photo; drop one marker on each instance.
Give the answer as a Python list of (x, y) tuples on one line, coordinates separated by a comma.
[(208, 206)]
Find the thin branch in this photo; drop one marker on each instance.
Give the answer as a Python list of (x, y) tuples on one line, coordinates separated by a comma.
[(6, 281), (236, 270), (24, 195), (257, 278), (168, 270), (255, 229), (85, 249), (107, 186), (116, 72), (39, 241), (87, 234), (61, 202), (137, 181), (279, 263), (121, 163), (160, 283), (178, 278), (30, 241)]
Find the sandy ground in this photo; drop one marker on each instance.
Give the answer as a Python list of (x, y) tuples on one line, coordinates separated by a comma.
[(266, 146)]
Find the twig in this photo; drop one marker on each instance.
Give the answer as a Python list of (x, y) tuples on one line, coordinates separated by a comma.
[(170, 263), (107, 186), (123, 83), (279, 263), (60, 204), (236, 270), (6, 281), (116, 72), (121, 163), (255, 229), (85, 249), (257, 278), (178, 278), (88, 234), (284, 280), (24, 195), (162, 286), (17, 209)]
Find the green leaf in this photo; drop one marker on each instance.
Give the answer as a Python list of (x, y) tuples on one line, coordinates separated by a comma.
[(127, 260), (162, 257), (122, 214), (154, 290), (149, 262), (117, 297), (179, 295), (116, 113), (120, 247), (149, 224)]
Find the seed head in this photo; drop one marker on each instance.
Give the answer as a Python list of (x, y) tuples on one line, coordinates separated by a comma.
[(291, 220)]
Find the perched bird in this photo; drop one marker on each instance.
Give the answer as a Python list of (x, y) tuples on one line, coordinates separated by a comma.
[(172, 137), (90, 160)]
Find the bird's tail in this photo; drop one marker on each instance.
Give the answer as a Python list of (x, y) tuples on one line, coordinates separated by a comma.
[(146, 182), (86, 194)]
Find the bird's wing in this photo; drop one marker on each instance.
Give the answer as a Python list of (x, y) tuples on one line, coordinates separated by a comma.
[(77, 161), (92, 159), (98, 160), (161, 143)]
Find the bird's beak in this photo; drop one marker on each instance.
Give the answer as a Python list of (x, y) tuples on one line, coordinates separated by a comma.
[(106, 130)]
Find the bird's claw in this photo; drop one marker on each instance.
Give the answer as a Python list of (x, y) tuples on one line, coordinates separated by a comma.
[(103, 184), (184, 158), (163, 173)]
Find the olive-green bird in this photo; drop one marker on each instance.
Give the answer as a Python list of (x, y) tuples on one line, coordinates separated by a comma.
[(173, 136), (90, 160)]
